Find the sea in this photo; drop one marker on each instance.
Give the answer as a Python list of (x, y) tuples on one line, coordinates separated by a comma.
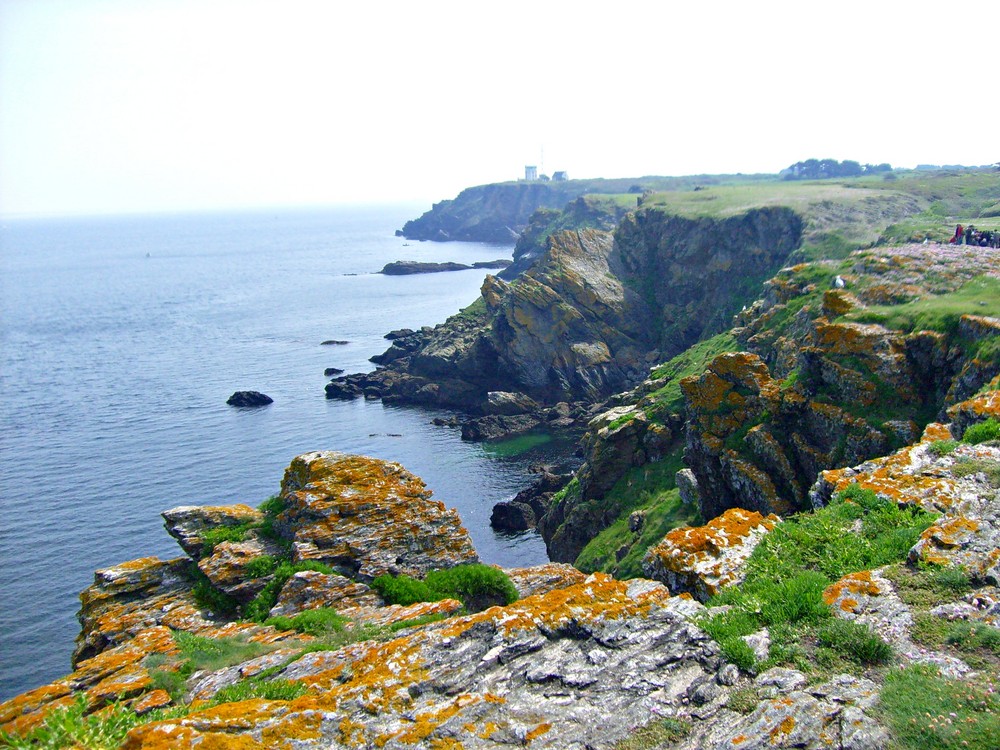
[(121, 339)]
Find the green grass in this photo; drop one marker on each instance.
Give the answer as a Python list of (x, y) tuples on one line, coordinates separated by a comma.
[(212, 654), (656, 734), (73, 727), (980, 432), (650, 488), (691, 362), (926, 711), (314, 622), (966, 466), (218, 534), (942, 447), (940, 312), (855, 641), (476, 586), (209, 597), (274, 690), (799, 558)]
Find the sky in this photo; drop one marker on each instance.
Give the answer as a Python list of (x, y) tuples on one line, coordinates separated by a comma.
[(120, 106)]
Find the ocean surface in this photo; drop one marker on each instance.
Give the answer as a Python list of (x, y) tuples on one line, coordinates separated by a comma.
[(120, 341)]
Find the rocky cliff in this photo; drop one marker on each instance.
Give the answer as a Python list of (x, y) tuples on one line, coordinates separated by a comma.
[(590, 315), (838, 362)]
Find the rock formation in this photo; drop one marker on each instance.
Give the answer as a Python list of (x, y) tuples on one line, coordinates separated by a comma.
[(249, 398)]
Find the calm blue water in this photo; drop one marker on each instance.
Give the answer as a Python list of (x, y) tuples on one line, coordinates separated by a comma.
[(122, 338)]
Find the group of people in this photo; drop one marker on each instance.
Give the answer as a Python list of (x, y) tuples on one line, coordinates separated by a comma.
[(971, 236)]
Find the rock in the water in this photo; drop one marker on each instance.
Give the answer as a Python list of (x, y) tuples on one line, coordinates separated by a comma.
[(366, 517), (512, 516), (408, 267), (249, 398), (496, 427), (701, 560), (330, 371), (333, 342)]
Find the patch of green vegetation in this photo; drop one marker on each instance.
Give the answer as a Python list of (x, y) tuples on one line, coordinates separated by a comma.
[(651, 489), (928, 587), (743, 700), (966, 466), (314, 622), (212, 654), (655, 734), (980, 432), (261, 566), (259, 609), (273, 505), (942, 447), (474, 312), (926, 711), (855, 641), (416, 622), (790, 568), (939, 312), (219, 534), (209, 597), (272, 690), (72, 727), (476, 586), (624, 419), (691, 362), (974, 636)]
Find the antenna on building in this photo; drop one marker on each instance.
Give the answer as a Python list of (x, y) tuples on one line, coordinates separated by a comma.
[(541, 159)]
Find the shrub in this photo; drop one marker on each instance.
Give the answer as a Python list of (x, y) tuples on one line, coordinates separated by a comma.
[(315, 622), (476, 586), (273, 505), (980, 432), (220, 534), (855, 641), (209, 597), (261, 566), (404, 590)]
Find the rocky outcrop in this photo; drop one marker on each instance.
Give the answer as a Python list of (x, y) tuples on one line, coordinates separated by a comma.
[(410, 267), (188, 523), (581, 322), (366, 518), (703, 560)]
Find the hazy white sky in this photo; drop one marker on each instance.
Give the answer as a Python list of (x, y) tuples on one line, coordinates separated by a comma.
[(134, 105)]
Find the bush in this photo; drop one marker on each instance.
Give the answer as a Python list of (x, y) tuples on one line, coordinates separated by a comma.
[(261, 566), (404, 590), (855, 641), (980, 432), (209, 597), (220, 534), (316, 622), (476, 586), (942, 447)]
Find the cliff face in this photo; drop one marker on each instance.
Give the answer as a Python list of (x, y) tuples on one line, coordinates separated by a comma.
[(589, 316), (838, 362)]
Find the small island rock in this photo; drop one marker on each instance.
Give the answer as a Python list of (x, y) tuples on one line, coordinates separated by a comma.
[(249, 398)]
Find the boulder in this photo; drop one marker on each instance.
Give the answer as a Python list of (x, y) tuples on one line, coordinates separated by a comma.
[(498, 427), (365, 518), (249, 398), (309, 589), (507, 404), (702, 560), (512, 516), (330, 371)]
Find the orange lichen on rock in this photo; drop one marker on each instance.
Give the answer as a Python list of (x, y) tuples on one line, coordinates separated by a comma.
[(703, 559), (845, 593)]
